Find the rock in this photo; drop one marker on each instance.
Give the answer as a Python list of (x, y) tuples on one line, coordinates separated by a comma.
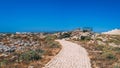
[(4, 48), (3, 55), (1, 50)]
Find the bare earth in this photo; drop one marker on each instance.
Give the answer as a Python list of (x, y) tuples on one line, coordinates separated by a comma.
[(71, 56)]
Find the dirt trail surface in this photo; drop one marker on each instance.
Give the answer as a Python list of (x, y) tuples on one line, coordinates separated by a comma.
[(71, 56)]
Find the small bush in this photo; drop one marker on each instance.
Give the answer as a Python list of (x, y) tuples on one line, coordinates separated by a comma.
[(99, 39), (85, 38), (109, 56), (116, 49), (54, 45), (50, 38), (100, 47), (40, 51), (65, 35), (31, 55)]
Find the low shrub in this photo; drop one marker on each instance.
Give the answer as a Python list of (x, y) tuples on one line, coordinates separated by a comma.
[(85, 38), (40, 51), (109, 56), (99, 39), (54, 45), (50, 38), (65, 35), (116, 49), (99, 47), (31, 55)]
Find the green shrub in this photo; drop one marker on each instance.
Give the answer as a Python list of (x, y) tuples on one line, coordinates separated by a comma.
[(40, 51), (54, 45), (50, 38), (99, 39), (65, 35), (31, 55), (100, 47), (116, 49), (85, 38), (109, 56)]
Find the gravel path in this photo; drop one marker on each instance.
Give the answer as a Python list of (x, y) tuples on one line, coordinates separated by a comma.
[(71, 56)]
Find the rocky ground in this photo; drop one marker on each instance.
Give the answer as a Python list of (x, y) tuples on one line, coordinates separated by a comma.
[(27, 50)]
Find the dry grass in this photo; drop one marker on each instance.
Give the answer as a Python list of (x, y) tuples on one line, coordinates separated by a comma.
[(102, 56), (33, 58)]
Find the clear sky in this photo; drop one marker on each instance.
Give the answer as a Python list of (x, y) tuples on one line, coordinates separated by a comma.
[(52, 15)]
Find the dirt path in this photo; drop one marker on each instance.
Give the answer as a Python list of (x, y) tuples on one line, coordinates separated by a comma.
[(71, 56)]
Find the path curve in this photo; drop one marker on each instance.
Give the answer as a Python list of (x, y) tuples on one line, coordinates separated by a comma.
[(71, 56)]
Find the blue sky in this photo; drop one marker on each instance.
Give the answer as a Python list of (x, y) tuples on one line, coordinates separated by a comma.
[(53, 15)]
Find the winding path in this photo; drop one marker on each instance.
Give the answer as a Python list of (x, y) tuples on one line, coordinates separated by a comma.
[(71, 56)]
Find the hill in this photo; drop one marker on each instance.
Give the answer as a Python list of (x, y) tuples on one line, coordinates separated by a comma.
[(113, 32)]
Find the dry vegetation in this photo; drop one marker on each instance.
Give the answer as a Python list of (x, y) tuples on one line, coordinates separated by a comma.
[(102, 55), (29, 58)]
